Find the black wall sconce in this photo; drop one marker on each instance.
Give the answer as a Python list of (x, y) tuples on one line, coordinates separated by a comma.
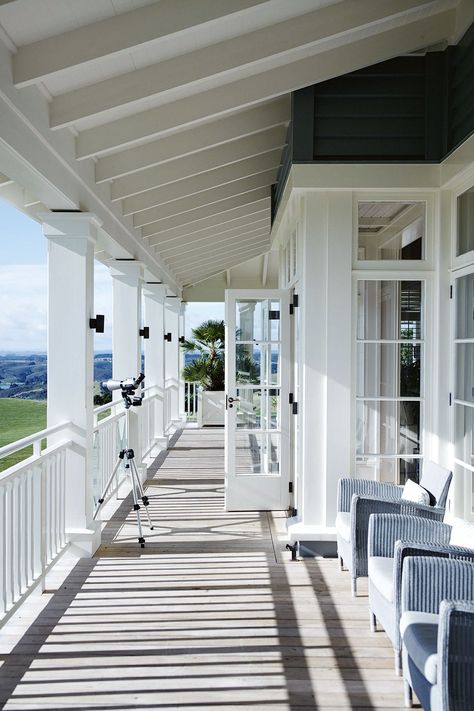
[(168, 337), (145, 332), (97, 323), (181, 339)]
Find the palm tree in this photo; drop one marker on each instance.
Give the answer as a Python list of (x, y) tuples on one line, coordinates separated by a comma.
[(207, 369)]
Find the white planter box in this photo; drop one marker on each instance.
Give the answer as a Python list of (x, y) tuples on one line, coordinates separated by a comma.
[(211, 407)]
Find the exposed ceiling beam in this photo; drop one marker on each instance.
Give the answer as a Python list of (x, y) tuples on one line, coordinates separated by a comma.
[(260, 207), (265, 85), (198, 182), (118, 35), (374, 221), (213, 133), (183, 168), (4, 180), (219, 266), (194, 256), (153, 216), (193, 244), (258, 219), (209, 197), (213, 65)]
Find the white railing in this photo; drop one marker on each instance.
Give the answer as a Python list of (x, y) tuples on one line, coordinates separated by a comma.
[(191, 400), (146, 414), (108, 440), (32, 526)]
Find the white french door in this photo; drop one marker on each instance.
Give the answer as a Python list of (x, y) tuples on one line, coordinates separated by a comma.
[(257, 410)]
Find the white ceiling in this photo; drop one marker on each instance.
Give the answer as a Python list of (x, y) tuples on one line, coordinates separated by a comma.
[(179, 108)]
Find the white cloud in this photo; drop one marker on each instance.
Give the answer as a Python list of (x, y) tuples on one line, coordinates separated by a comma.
[(197, 312), (24, 307)]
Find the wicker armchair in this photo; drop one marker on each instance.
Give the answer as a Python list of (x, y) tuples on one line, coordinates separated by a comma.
[(437, 627), (393, 537), (357, 499)]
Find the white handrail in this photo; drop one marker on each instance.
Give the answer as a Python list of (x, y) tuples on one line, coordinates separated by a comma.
[(31, 439)]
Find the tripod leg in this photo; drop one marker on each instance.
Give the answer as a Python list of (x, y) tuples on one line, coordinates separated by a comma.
[(107, 487), (140, 491), (136, 506)]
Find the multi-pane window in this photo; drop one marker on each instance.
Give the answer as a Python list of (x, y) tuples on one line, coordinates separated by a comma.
[(464, 384), (391, 230), (465, 211), (389, 397)]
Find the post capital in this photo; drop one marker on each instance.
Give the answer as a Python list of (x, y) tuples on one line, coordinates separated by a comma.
[(64, 225), (129, 271), (155, 291)]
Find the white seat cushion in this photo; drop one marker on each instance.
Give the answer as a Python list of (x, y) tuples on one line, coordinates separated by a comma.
[(413, 617), (381, 575), (414, 492), (343, 525), (462, 534)]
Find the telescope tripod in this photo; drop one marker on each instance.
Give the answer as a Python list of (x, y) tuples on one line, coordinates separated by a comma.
[(128, 456)]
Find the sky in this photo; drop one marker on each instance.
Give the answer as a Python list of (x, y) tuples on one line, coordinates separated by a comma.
[(23, 288)]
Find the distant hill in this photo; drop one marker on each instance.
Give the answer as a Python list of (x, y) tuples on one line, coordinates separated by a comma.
[(24, 375)]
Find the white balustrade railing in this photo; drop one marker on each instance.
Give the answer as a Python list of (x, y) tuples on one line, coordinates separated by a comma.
[(108, 439), (191, 390), (32, 505)]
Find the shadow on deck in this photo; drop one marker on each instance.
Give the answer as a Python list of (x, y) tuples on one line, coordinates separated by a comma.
[(210, 615)]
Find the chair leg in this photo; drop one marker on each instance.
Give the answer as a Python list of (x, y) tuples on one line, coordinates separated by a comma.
[(341, 565), (373, 622), (354, 587), (408, 694), (398, 663)]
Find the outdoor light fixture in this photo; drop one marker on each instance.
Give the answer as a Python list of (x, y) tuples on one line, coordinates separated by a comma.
[(145, 332), (168, 337), (97, 323)]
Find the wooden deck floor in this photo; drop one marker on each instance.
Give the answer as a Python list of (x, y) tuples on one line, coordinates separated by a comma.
[(211, 615)]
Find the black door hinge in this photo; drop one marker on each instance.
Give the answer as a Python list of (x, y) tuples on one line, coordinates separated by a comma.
[(290, 398), (294, 304), (450, 399), (451, 291), (294, 408), (290, 487)]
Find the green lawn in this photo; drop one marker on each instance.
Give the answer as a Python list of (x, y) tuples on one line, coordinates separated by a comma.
[(19, 418)]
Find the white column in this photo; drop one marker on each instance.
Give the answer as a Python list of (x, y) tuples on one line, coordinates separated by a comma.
[(126, 340), (182, 334), (71, 240), (127, 279), (172, 374), (326, 328), (154, 297)]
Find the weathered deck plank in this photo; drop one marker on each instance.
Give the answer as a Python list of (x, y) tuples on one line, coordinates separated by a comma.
[(211, 615)]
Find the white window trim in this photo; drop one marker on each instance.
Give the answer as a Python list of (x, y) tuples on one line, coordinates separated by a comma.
[(426, 264)]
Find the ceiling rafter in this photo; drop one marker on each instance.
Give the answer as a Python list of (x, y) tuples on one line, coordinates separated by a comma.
[(116, 35), (188, 167), (152, 231), (191, 244), (188, 257), (141, 218), (213, 133), (210, 197), (198, 182)]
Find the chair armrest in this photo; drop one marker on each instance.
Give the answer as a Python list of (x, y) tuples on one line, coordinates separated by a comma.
[(456, 652), (426, 580), (410, 508), (386, 529), (346, 489)]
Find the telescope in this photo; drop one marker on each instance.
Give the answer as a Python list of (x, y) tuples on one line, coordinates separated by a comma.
[(127, 388)]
